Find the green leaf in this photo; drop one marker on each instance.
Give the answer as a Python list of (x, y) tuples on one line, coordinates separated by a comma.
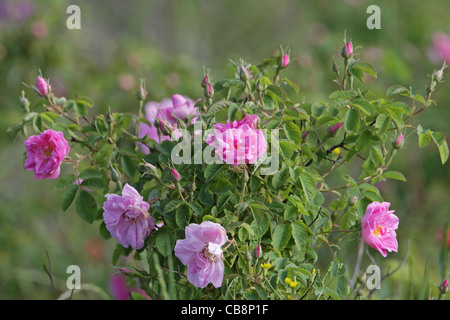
[(94, 183), (367, 68), (294, 85), (65, 181), (424, 139), (182, 216), (212, 169), (68, 196), (80, 109), (281, 236), (220, 186), (293, 133), (394, 175), (400, 106), (365, 139), (300, 234), (343, 94), (206, 197), (280, 178), (85, 101), (351, 121), (269, 103), (172, 205), (86, 206), (91, 173), (342, 287), (232, 111), (309, 186), (441, 143), (196, 207), (164, 243), (288, 148), (38, 125), (382, 124), (317, 109), (104, 231), (364, 106), (128, 165), (218, 106), (396, 89)]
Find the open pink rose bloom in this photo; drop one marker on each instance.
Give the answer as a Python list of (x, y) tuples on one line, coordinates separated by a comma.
[(45, 152), (127, 218), (238, 142), (201, 252), (167, 113), (378, 227)]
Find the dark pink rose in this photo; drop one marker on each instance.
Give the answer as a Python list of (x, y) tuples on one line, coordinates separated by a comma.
[(45, 152)]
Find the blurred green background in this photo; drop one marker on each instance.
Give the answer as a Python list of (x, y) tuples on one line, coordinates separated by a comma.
[(168, 43)]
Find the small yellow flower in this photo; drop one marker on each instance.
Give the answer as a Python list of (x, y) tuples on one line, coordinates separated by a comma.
[(293, 284), (287, 280), (266, 265), (337, 151)]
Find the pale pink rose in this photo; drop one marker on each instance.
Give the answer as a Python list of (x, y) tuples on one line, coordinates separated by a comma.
[(45, 152), (164, 116), (440, 48), (378, 227), (127, 218), (201, 252), (238, 142), (183, 107)]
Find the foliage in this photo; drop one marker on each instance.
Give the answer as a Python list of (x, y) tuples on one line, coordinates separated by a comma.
[(276, 222)]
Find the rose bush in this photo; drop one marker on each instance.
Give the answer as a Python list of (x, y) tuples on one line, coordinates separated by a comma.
[(248, 222)]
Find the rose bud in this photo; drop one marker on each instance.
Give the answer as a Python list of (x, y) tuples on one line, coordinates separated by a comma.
[(42, 86), (174, 175), (347, 50), (204, 82), (444, 286), (398, 143), (285, 60), (244, 74)]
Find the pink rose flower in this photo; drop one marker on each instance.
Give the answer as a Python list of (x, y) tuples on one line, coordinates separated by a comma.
[(201, 252), (183, 107), (127, 218), (238, 142), (440, 48), (45, 152), (166, 115), (378, 227)]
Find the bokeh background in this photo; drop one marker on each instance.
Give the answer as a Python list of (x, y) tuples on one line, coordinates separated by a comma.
[(169, 43)]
